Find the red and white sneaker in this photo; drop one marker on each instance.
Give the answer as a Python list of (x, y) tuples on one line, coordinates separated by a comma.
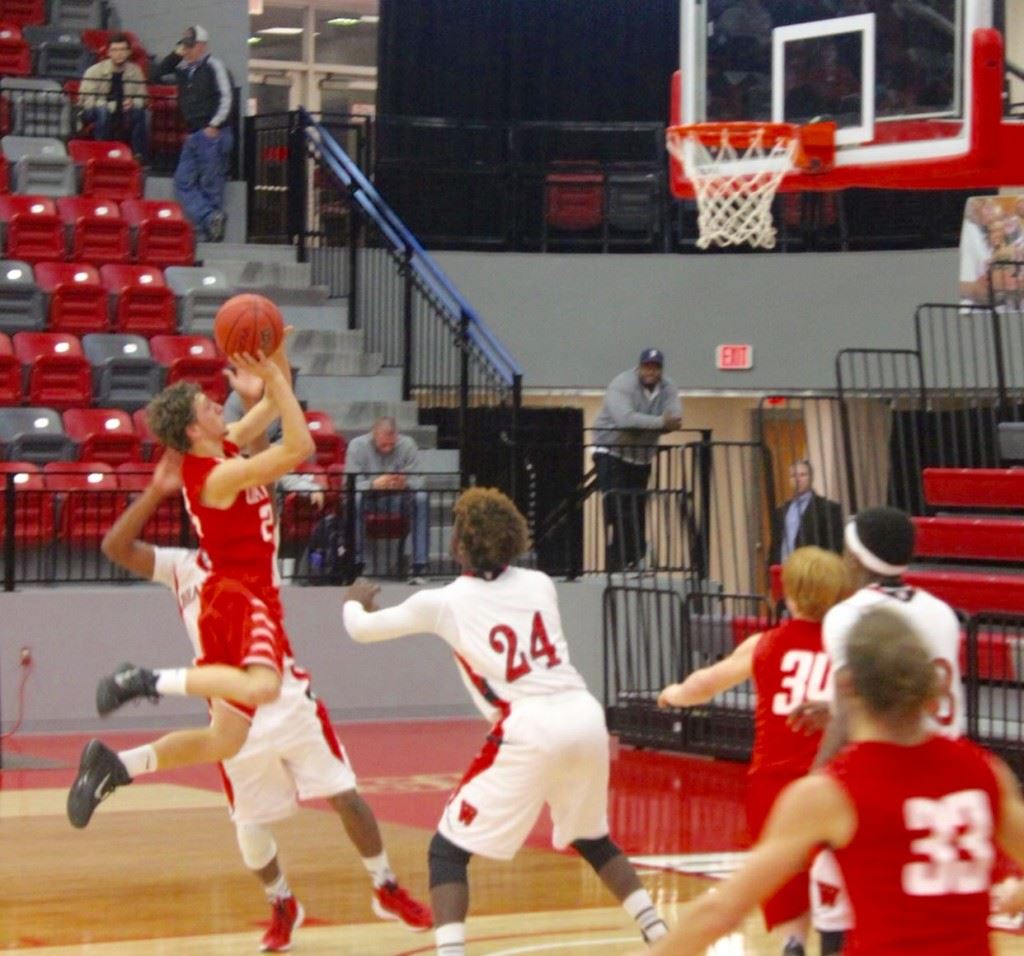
[(390, 901), (286, 916)]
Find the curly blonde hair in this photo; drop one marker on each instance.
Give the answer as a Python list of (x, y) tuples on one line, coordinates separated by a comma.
[(491, 530), (170, 414)]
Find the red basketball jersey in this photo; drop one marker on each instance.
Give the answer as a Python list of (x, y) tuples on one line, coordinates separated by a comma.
[(918, 869), (790, 668), (240, 541)]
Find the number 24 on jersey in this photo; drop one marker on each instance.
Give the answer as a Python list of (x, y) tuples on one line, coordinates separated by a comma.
[(505, 641)]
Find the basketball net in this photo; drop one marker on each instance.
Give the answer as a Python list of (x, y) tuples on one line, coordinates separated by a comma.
[(734, 182)]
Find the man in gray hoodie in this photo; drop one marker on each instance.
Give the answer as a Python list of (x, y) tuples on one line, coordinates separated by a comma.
[(638, 406)]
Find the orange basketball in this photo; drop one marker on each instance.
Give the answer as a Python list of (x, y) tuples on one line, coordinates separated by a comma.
[(248, 323)]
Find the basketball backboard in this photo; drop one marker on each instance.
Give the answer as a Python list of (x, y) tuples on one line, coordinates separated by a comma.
[(914, 86)]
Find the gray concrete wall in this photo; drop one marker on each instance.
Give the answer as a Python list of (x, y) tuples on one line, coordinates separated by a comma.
[(575, 320), (78, 634)]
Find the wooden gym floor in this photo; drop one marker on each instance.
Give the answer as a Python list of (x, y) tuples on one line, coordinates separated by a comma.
[(158, 872)]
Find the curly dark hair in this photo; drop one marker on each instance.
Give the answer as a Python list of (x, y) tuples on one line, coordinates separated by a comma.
[(170, 414), (491, 530)]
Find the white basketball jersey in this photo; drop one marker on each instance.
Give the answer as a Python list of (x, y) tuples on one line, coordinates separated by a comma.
[(932, 620), (506, 634), (180, 570)]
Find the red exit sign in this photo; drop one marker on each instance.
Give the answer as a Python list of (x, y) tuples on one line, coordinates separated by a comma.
[(734, 358)]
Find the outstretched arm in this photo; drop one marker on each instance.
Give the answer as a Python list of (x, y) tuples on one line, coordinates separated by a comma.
[(705, 683), (122, 544), (365, 624)]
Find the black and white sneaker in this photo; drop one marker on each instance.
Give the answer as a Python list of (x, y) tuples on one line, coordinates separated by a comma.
[(126, 683), (100, 773), (216, 226)]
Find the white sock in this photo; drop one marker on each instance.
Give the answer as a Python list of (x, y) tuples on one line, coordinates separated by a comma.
[(379, 868), (139, 760), (278, 890), (640, 906), (171, 681), (450, 939)]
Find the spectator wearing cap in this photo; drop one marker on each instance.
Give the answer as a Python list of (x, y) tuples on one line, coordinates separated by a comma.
[(205, 98), (113, 94), (639, 405)]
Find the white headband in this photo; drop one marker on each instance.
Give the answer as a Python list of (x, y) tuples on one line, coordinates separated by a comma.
[(871, 561)]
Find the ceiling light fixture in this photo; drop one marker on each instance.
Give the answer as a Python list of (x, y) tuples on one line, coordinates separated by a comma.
[(280, 31), (344, 21)]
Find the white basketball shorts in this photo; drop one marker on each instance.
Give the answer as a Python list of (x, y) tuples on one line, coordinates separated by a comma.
[(553, 749), (830, 906), (292, 753)]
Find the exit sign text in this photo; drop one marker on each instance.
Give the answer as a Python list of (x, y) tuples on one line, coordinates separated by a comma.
[(734, 358)]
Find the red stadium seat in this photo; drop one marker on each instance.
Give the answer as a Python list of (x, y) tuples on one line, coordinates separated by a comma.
[(143, 305), (10, 373), (94, 230), (23, 13), (169, 522), (15, 52), (33, 504), (167, 129), (973, 592), (108, 169), (103, 434), (192, 358), (59, 375), (78, 302), (163, 236), (89, 499), (330, 445), (974, 539), (32, 229), (5, 128)]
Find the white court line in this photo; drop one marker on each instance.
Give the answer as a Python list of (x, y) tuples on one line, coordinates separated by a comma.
[(562, 944)]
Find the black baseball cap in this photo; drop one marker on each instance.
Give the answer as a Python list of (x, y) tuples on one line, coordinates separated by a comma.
[(651, 357)]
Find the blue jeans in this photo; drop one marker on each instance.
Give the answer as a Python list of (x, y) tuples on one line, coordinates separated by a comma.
[(412, 505), (132, 124), (202, 175)]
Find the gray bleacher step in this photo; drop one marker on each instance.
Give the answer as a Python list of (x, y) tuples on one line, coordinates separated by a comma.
[(210, 252), (315, 342), (357, 418), (440, 461), (252, 274), (328, 364), (330, 317), (319, 390)]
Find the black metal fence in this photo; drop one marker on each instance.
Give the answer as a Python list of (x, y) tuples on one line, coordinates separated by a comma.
[(53, 524)]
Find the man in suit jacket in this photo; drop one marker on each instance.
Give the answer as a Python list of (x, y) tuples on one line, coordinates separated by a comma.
[(807, 518)]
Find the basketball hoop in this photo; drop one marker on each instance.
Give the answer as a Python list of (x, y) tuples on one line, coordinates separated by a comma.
[(736, 169)]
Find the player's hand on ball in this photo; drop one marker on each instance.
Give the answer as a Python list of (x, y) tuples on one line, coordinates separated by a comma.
[(258, 365), (364, 592)]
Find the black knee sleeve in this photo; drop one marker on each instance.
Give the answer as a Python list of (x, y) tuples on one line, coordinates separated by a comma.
[(596, 852), (447, 862), (831, 942)]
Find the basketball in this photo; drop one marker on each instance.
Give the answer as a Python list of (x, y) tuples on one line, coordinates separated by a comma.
[(248, 323)]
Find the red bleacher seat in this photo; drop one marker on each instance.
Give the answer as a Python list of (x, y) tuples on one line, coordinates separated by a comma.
[(167, 130), (33, 504), (163, 236), (298, 515), (979, 539), (59, 375), (151, 448), (89, 498), (192, 358), (167, 524), (330, 445), (15, 53), (32, 229), (974, 487), (10, 373), (103, 434), (23, 13), (94, 230), (5, 128), (78, 302), (143, 305), (996, 656), (972, 592), (109, 171)]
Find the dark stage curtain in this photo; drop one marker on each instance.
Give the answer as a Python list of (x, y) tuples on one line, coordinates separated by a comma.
[(518, 60)]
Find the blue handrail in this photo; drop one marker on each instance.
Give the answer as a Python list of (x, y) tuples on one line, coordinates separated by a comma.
[(429, 272)]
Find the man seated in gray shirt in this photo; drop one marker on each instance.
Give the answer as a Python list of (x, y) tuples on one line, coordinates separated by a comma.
[(386, 465)]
